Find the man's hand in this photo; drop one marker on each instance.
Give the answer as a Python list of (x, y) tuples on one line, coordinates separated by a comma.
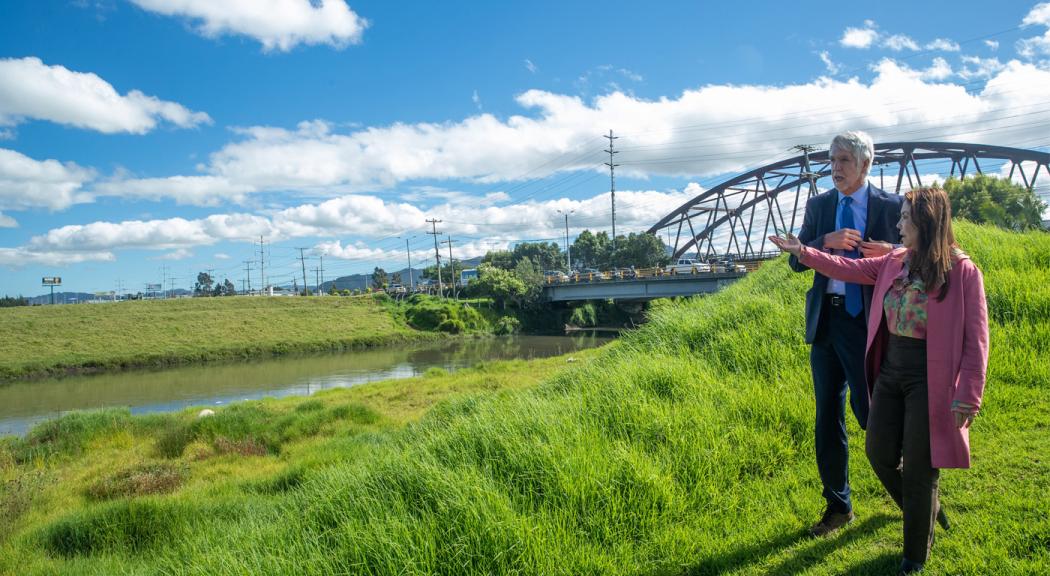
[(844, 239), (874, 248)]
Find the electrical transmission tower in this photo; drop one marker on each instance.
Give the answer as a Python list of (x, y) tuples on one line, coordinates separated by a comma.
[(247, 274), (807, 173), (612, 183)]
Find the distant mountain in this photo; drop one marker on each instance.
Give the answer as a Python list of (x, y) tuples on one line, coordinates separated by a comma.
[(362, 281), (61, 298), (78, 297)]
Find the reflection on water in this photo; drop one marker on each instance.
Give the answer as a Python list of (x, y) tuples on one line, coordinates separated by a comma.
[(23, 404)]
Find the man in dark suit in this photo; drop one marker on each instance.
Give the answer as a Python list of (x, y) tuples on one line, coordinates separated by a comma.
[(857, 220)]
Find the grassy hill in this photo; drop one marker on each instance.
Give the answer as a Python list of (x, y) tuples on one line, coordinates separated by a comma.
[(685, 448), (54, 339)]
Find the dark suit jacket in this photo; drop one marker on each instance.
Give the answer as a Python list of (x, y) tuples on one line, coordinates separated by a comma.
[(884, 210)]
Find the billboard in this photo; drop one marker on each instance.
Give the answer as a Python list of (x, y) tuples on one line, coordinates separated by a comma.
[(51, 280)]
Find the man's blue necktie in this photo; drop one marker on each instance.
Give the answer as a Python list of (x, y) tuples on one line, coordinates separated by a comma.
[(854, 304)]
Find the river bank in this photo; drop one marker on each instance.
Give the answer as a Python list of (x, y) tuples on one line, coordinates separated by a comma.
[(26, 403), (43, 341)]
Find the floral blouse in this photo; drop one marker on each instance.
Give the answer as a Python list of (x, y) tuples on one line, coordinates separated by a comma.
[(905, 306)]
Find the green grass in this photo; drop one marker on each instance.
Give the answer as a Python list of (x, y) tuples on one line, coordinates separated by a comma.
[(44, 340), (685, 448)]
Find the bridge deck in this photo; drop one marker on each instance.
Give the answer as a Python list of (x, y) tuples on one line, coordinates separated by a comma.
[(641, 288)]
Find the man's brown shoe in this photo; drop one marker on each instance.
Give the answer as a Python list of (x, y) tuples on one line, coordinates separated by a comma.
[(830, 522)]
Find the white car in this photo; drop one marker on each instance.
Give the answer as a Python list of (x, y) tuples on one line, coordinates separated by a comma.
[(688, 266)]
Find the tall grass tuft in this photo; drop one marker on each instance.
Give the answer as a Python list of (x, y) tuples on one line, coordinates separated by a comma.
[(70, 433)]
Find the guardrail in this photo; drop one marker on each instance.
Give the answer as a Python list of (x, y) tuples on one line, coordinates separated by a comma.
[(640, 273)]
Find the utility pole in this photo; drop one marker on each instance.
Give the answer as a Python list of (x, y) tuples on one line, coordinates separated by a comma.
[(163, 277), (612, 183), (262, 265), (302, 260), (451, 263), (568, 249), (248, 274), (320, 258), (437, 254), (408, 253), (317, 278)]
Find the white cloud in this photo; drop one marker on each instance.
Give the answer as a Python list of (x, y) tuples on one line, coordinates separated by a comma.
[(993, 44), (193, 190), (19, 257), (1032, 48), (938, 70), (168, 234), (832, 67), (356, 215), (859, 37), (31, 89), (899, 42), (357, 251), (277, 24), (866, 37), (530, 66), (942, 44), (7, 221), (221, 256), (976, 67), (1039, 14), (27, 183), (476, 99), (179, 254), (748, 124)]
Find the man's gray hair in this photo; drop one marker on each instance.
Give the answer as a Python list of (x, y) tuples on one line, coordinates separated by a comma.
[(858, 144)]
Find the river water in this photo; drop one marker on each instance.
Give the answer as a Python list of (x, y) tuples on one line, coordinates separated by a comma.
[(23, 404)]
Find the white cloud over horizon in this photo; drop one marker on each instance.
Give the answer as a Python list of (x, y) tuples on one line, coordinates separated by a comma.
[(276, 24), (748, 123), (352, 215), (30, 89), (26, 183)]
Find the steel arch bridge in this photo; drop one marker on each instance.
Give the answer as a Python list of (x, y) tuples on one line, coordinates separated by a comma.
[(734, 218)]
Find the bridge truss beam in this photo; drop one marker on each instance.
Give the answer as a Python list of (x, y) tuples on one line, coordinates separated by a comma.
[(735, 217)]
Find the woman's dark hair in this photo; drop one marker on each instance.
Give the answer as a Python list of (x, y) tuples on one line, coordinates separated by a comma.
[(935, 247)]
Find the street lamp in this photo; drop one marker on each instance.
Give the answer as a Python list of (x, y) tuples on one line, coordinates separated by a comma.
[(568, 250)]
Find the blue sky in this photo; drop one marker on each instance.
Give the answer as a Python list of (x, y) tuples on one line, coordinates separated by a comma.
[(150, 139)]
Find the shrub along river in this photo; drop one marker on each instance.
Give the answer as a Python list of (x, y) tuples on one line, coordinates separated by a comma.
[(25, 403)]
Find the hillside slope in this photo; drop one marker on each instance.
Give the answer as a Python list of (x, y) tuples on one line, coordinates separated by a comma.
[(686, 448)]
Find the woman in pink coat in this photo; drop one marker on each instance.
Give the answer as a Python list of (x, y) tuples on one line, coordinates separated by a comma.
[(926, 357)]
